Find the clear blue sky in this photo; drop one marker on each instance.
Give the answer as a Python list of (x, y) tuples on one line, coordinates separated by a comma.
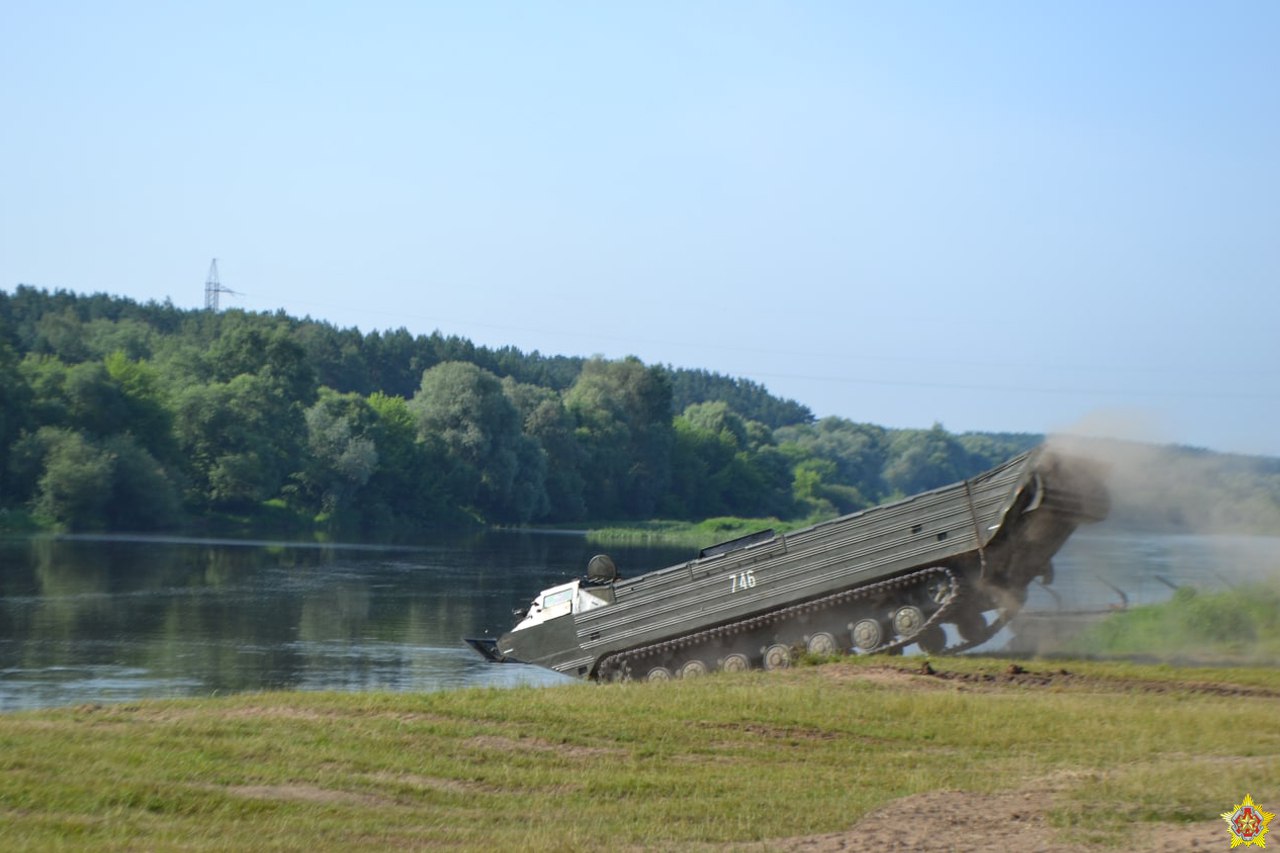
[(999, 216)]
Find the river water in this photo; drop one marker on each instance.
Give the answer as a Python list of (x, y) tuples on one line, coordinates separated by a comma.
[(107, 619)]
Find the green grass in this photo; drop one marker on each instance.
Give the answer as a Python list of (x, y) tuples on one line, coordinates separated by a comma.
[(1236, 624), (726, 759)]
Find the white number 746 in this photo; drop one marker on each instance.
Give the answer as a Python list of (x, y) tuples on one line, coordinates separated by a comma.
[(742, 580)]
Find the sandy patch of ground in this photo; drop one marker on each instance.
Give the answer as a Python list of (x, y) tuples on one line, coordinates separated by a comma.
[(985, 823), (1009, 820)]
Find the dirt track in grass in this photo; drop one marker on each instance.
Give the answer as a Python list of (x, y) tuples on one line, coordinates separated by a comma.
[(1011, 820), (955, 821)]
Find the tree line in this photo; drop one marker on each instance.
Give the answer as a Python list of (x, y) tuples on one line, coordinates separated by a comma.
[(126, 416)]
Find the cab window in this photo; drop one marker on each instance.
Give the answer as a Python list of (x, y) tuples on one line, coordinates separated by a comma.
[(555, 599)]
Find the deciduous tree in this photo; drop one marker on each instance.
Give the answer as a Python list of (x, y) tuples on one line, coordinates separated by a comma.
[(464, 407), (623, 414)]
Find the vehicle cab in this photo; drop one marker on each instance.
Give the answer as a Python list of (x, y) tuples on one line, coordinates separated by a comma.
[(563, 600)]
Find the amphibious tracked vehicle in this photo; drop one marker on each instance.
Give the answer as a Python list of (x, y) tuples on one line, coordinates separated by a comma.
[(875, 581)]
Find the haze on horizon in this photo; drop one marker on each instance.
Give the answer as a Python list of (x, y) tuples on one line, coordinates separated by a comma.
[(993, 215)]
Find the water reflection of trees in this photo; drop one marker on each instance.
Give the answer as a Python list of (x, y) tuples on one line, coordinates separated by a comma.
[(244, 617)]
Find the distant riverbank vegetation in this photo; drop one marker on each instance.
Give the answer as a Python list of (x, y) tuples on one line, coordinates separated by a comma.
[(122, 416), (1237, 624)]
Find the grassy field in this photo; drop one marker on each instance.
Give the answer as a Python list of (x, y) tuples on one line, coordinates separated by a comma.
[(743, 761)]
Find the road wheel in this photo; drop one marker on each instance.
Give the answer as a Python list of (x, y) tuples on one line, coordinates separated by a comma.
[(736, 662), (867, 634), (908, 620), (659, 673), (693, 669), (777, 656), (821, 643)]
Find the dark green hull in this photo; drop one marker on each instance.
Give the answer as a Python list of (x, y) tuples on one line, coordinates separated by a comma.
[(987, 538)]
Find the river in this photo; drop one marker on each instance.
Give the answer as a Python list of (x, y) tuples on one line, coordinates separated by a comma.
[(109, 619)]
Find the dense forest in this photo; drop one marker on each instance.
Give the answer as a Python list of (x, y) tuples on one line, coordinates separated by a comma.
[(122, 416)]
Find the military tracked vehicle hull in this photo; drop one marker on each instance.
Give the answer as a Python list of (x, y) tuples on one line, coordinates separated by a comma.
[(875, 581)]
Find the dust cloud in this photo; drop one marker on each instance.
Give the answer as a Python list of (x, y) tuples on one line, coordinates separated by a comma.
[(1172, 489), (1180, 517)]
